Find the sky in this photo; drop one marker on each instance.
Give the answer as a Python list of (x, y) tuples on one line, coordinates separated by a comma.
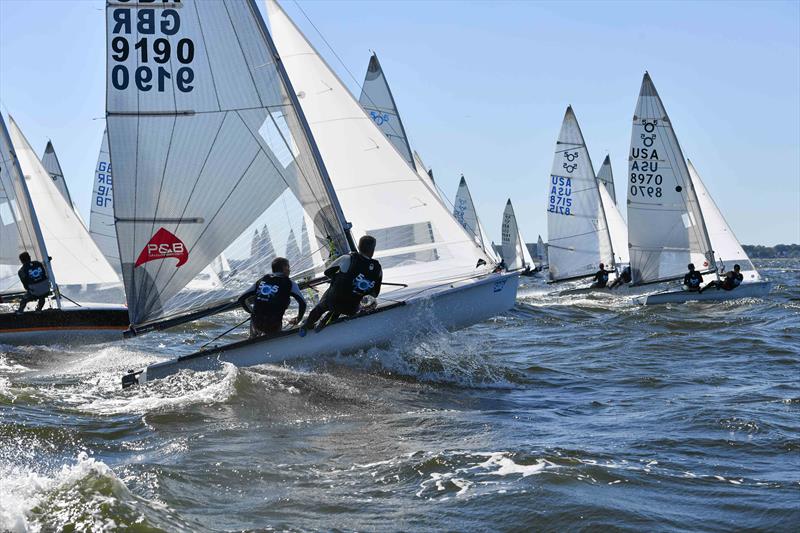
[(482, 88)]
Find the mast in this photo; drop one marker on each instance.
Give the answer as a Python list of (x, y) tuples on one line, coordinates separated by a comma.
[(320, 164), (45, 259)]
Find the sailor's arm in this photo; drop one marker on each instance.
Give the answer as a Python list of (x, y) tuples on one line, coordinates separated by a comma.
[(246, 296), (301, 302)]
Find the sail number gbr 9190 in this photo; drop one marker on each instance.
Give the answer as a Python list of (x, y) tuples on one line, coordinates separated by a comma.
[(144, 34)]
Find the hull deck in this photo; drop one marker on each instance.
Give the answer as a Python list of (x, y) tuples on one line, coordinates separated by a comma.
[(757, 289), (71, 325)]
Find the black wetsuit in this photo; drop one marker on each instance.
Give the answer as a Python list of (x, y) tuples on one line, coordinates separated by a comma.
[(732, 280), (34, 279), (270, 297), (600, 279), (624, 277), (353, 277), (692, 280)]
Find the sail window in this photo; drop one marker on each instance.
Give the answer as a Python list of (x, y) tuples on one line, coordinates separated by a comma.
[(7, 215), (275, 131)]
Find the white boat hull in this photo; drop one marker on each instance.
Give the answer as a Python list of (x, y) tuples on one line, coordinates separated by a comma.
[(452, 307), (756, 289)]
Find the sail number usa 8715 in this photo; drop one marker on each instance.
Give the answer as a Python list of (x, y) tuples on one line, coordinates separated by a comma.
[(151, 48)]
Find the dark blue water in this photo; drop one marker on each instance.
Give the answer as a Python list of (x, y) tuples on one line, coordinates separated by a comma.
[(563, 414)]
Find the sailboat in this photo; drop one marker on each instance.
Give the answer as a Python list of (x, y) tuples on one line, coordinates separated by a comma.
[(513, 249), (617, 227), (378, 101), (51, 164), (673, 220), (606, 176), (250, 125), (101, 212), (578, 237), (541, 253), (38, 219), (466, 215)]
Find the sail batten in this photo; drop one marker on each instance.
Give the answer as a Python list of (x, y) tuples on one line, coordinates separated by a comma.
[(577, 230), (665, 221)]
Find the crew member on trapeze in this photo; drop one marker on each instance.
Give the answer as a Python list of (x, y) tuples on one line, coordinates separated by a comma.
[(270, 296), (34, 280), (353, 276)]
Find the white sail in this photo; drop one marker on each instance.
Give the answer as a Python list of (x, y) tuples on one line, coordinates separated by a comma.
[(467, 216), (541, 251), (727, 250), (293, 253), (617, 227), (379, 191), (19, 230), (101, 213), (76, 259), (205, 138), (377, 100), (577, 231), (514, 252), (53, 167), (606, 176), (666, 230)]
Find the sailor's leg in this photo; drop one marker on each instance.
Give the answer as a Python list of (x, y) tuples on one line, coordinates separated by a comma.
[(40, 304), (317, 312), (26, 298)]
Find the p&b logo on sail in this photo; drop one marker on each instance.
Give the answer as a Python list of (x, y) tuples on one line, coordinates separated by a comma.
[(163, 245)]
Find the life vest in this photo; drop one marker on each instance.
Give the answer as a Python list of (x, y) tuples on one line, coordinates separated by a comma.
[(359, 280), (272, 296), (601, 277), (36, 280), (693, 279)]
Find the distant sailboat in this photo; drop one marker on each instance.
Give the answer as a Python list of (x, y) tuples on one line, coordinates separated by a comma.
[(246, 136), (514, 251), (617, 228), (101, 213), (670, 213), (606, 176), (464, 211), (51, 164), (578, 236), (38, 219)]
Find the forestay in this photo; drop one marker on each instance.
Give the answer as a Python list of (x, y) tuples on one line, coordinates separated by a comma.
[(727, 250), (75, 257), (377, 100), (101, 214), (19, 231), (204, 137), (617, 227), (53, 167), (379, 191), (577, 231), (606, 176), (665, 224), (515, 253)]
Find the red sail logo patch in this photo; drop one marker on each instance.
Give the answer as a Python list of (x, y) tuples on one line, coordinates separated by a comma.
[(163, 245)]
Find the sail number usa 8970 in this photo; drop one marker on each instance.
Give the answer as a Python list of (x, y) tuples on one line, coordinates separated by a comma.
[(153, 50), (645, 182)]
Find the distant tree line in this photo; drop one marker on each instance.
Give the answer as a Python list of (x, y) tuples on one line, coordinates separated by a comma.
[(779, 250)]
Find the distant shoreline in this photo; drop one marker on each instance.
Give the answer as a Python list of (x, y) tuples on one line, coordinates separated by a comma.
[(779, 251)]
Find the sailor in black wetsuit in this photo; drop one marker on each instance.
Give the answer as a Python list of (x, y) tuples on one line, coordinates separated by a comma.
[(353, 276), (270, 297), (600, 278), (733, 278), (693, 279), (624, 277), (34, 279)]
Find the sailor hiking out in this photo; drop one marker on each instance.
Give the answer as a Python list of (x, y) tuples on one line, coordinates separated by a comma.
[(353, 276), (624, 277), (693, 279), (270, 298), (33, 276), (733, 278), (600, 279)]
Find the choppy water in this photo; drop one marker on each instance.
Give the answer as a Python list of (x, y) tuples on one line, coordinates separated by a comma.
[(563, 414)]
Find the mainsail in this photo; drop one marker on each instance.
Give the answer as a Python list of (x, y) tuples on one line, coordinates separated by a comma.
[(577, 231), (19, 231), (607, 178), (53, 167), (379, 191), (515, 252), (467, 216), (75, 257), (727, 250), (206, 137), (377, 100), (665, 222), (101, 214)]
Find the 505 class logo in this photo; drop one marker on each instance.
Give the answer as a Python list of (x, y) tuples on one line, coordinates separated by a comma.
[(163, 245)]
